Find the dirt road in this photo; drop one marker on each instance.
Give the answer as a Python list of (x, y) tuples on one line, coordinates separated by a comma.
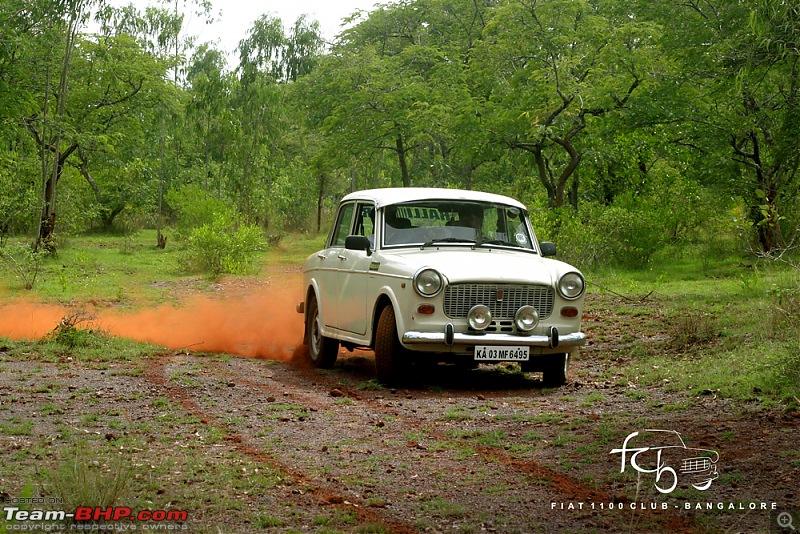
[(484, 450)]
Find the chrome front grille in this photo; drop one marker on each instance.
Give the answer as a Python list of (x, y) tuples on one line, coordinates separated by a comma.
[(695, 465), (503, 299)]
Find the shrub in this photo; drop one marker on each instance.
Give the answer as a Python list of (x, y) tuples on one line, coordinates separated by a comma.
[(25, 263), (222, 246)]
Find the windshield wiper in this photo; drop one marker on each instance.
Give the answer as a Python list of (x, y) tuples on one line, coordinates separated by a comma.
[(502, 242), (448, 240)]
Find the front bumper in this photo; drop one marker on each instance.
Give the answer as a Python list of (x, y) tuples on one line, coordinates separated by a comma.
[(448, 337)]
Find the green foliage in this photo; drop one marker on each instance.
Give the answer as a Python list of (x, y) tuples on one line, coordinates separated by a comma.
[(222, 246), (194, 207), (635, 228), (611, 109)]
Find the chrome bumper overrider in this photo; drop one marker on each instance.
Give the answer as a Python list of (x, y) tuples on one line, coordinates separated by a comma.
[(552, 340)]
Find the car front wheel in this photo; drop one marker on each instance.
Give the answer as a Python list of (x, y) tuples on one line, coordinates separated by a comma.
[(322, 351), (555, 370), (389, 363)]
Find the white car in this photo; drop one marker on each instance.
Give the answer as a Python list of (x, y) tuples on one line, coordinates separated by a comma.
[(426, 274)]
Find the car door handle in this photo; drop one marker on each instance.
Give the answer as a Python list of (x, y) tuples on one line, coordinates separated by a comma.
[(321, 256), (343, 258)]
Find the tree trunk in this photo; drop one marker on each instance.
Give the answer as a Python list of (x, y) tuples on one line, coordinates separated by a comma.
[(48, 219), (401, 154), (320, 199)]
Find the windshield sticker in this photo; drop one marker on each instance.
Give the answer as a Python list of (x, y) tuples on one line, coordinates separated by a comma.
[(431, 214), (521, 238)]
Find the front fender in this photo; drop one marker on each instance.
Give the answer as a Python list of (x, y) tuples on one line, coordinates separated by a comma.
[(312, 290), (387, 296)]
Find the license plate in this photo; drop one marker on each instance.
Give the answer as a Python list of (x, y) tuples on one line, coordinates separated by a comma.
[(484, 353)]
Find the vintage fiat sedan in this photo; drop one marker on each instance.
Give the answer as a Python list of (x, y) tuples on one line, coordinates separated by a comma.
[(439, 275)]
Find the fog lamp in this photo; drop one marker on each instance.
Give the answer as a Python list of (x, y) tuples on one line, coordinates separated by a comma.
[(526, 318), (479, 317)]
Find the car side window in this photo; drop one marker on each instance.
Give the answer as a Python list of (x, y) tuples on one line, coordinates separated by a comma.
[(343, 224)]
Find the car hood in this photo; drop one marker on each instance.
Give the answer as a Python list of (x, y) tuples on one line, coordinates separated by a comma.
[(462, 264)]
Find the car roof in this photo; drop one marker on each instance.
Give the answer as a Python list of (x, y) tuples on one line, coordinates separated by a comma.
[(398, 195)]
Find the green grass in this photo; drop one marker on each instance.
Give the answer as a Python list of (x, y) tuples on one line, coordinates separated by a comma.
[(125, 271), (728, 326)]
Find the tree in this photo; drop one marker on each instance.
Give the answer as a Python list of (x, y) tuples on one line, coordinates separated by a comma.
[(208, 109), (396, 83), (551, 67), (49, 130), (734, 95)]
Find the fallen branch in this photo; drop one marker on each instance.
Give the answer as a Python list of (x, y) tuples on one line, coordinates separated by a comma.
[(629, 299)]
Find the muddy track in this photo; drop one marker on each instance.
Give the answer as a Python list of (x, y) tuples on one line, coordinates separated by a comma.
[(315, 493), (394, 456)]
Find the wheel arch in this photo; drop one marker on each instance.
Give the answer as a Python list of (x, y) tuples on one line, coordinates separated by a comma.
[(383, 300)]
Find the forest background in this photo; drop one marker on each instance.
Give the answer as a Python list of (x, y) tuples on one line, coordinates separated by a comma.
[(632, 130)]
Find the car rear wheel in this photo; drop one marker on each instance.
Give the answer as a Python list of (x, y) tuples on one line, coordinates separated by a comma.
[(390, 366), (555, 370), (322, 351)]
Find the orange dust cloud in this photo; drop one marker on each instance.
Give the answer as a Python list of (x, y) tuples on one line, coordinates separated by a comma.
[(261, 324), (24, 320)]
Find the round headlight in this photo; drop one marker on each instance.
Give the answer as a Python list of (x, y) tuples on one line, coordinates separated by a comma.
[(526, 318), (571, 285), (479, 317), (428, 282)]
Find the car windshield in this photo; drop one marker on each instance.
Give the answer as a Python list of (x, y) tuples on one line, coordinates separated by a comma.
[(436, 222)]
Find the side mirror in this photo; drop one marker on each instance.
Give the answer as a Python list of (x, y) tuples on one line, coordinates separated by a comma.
[(547, 248), (358, 242)]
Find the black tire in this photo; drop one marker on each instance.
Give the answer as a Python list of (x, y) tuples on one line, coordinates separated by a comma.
[(555, 370), (322, 351), (390, 364)]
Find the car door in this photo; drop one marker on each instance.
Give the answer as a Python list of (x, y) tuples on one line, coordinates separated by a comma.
[(353, 274), (329, 266)]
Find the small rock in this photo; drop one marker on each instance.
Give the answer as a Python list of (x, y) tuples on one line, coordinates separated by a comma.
[(380, 424), (337, 393)]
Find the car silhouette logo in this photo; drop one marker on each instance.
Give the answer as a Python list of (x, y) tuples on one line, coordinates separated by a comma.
[(664, 453)]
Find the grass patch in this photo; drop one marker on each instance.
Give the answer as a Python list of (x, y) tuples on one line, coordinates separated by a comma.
[(724, 326), (80, 481), (445, 508)]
